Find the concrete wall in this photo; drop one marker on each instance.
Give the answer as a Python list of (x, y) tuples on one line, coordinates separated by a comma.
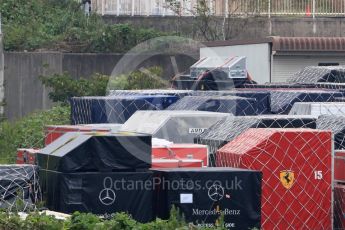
[(242, 28), (24, 92), (2, 89)]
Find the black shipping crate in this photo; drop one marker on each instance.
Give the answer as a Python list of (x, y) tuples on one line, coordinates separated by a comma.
[(100, 193), (202, 195), (77, 152)]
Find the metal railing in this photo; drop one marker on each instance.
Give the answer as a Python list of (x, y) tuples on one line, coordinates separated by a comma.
[(223, 8)]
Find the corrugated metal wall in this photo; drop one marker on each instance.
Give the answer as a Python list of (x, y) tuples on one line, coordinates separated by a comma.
[(258, 58), (285, 66)]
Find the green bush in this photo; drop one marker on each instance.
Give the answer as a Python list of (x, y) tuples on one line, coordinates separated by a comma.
[(64, 86), (62, 25), (42, 222), (29, 131), (87, 221), (149, 78)]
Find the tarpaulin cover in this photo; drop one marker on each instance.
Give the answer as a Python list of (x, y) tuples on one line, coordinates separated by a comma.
[(314, 74), (339, 99), (337, 125), (330, 85), (239, 106), (53, 132), (227, 129), (170, 92), (318, 108), (339, 206), (297, 174), (202, 195), (282, 85), (176, 126), (320, 85), (115, 109), (77, 152), (262, 97), (19, 184), (100, 193), (283, 100)]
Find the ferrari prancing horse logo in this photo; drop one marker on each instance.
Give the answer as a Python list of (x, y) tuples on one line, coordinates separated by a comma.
[(287, 178)]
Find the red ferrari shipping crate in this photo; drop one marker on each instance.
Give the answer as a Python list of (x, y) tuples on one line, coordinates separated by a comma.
[(181, 151), (177, 163), (297, 177), (53, 132), (339, 166), (26, 156), (339, 206)]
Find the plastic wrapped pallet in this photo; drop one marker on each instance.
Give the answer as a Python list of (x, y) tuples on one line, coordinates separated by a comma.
[(228, 129), (283, 100), (337, 125), (297, 174), (176, 126), (169, 92), (19, 184), (339, 99), (115, 109), (278, 85), (238, 106), (90, 172), (319, 85), (314, 74), (330, 85), (280, 100), (262, 97), (79, 152), (318, 108)]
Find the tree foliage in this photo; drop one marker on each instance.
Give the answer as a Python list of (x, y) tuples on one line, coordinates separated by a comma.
[(62, 25), (64, 86), (29, 131), (144, 78), (210, 27)]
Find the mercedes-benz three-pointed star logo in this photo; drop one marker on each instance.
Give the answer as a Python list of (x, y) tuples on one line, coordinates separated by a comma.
[(107, 196), (216, 192)]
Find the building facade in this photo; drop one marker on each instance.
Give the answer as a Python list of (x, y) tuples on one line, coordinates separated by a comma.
[(276, 59), (222, 8)]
